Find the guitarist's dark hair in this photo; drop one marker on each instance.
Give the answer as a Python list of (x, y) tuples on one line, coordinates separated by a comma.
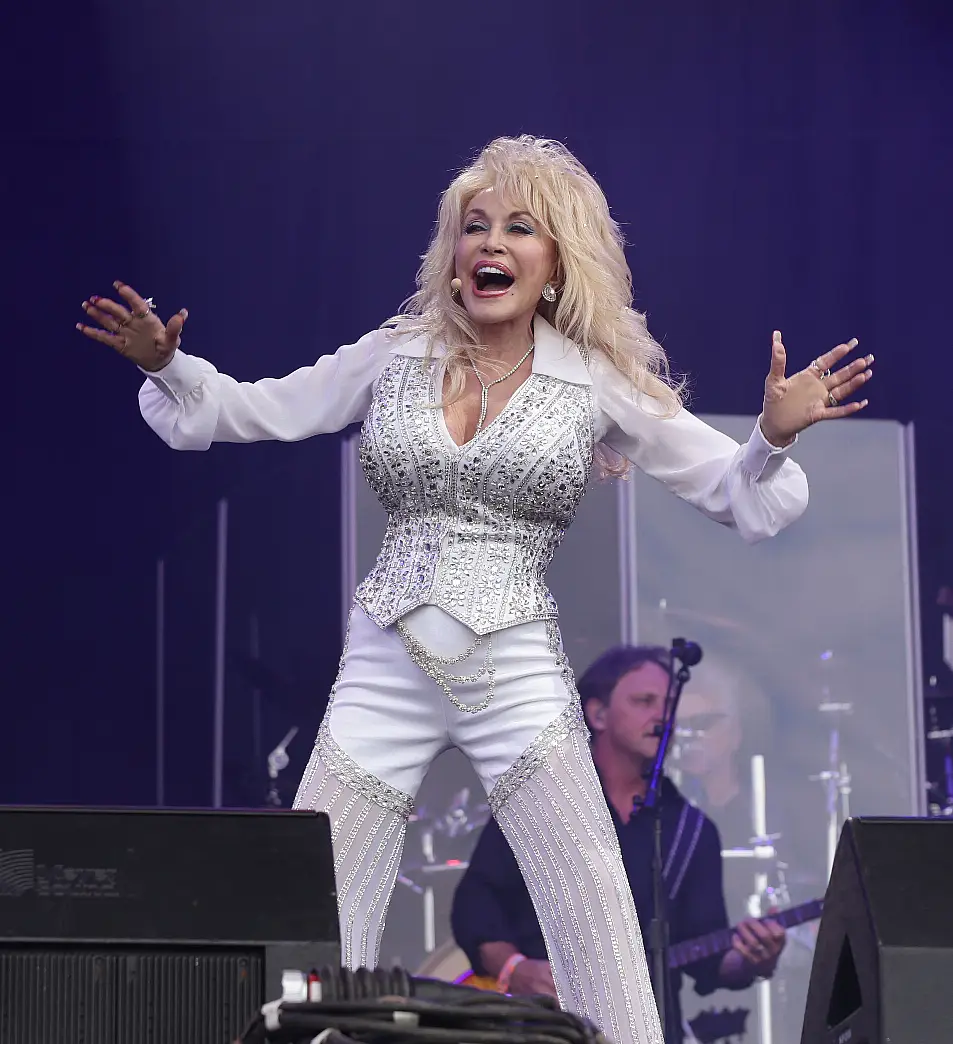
[(603, 674)]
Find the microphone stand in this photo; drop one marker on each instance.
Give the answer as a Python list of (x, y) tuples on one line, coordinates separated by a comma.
[(277, 762), (687, 654)]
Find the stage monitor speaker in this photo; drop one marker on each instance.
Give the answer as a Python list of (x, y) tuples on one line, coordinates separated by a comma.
[(883, 962), (122, 926)]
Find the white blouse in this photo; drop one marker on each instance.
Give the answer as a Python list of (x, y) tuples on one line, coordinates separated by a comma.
[(754, 488)]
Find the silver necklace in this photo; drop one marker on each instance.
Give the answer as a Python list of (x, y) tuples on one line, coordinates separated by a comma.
[(484, 387)]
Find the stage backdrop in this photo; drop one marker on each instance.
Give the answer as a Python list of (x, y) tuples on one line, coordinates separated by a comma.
[(803, 709)]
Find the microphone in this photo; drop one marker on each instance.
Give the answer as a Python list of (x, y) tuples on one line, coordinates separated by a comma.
[(690, 653), (456, 286)]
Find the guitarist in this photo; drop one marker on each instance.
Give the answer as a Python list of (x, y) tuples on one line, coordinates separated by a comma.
[(623, 696)]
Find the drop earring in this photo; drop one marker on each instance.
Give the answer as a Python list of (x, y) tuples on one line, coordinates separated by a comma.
[(549, 294)]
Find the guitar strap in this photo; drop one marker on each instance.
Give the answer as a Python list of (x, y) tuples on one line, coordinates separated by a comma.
[(687, 833)]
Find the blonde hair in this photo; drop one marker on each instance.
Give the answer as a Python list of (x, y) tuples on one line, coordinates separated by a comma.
[(594, 304)]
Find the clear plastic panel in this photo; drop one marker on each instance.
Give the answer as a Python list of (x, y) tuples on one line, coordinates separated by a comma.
[(808, 691)]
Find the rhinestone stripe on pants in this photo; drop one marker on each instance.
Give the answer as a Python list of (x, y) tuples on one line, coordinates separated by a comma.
[(388, 720)]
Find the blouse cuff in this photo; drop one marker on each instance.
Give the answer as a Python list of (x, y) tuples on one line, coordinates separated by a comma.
[(760, 458), (181, 375)]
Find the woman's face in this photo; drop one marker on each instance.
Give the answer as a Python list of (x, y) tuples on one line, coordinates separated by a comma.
[(503, 259)]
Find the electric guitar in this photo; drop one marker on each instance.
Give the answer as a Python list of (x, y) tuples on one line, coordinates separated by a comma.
[(683, 953)]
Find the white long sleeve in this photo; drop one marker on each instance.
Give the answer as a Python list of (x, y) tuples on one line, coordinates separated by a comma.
[(755, 488), (190, 405)]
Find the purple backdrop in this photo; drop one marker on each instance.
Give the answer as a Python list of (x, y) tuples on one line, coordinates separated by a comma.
[(275, 168)]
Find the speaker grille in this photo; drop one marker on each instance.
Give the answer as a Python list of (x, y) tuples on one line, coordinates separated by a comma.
[(128, 996)]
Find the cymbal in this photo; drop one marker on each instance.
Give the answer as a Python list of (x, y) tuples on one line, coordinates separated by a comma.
[(664, 611)]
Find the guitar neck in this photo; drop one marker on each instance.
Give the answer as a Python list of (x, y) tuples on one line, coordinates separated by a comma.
[(719, 942)]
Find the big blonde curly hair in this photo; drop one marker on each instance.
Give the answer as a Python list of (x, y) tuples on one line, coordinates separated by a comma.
[(594, 304)]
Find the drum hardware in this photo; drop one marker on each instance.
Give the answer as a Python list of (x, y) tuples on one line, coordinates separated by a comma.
[(277, 763), (441, 834), (450, 866), (835, 777), (942, 805), (759, 817)]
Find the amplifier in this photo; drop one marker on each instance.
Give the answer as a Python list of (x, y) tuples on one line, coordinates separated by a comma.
[(123, 926)]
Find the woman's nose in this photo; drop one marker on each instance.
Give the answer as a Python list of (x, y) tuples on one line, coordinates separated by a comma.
[(493, 243)]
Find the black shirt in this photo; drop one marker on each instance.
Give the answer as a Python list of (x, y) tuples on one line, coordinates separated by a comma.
[(491, 903)]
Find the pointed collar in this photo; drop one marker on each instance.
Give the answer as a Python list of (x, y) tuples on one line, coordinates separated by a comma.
[(555, 355)]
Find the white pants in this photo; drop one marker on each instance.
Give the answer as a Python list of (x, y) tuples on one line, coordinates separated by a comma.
[(387, 721)]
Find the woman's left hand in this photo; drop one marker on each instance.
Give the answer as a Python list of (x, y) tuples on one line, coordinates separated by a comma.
[(816, 393)]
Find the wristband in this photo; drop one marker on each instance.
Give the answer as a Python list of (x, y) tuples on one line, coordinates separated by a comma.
[(506, 972)]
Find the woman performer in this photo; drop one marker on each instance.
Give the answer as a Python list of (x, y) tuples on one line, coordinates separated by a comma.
[(517, 364)]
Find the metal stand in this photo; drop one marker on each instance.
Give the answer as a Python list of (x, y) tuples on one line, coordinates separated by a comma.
[(765, 857), (687, 654), (277, 763), (835, 776), (836, 780), (759, 818), (940, 800), (455, 824)]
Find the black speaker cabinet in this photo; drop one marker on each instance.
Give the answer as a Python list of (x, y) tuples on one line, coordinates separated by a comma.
[(156, 927), (883, 966)]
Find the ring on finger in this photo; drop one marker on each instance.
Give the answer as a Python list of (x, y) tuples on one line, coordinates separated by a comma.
[(831, 399), (821, 372)]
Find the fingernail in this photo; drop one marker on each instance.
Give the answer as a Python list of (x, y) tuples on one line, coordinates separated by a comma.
[(85, 305), (777, 335), (868, 375), (870, 359), (117, 284), (864, 402), (79, 326), (94, 298), (853, 342)]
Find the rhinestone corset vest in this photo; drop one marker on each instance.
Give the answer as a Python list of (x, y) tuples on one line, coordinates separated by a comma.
[(472, 529)]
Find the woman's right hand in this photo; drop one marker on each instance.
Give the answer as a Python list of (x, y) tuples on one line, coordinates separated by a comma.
[(136, 332)]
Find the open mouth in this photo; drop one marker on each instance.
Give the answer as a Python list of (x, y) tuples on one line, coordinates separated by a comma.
[(492, 280)]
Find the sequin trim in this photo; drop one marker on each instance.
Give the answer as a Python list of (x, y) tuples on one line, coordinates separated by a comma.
[(569, 721), (365, 783), (472, 528), (559, 828)]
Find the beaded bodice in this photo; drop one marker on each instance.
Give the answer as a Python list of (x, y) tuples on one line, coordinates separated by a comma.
[(472, 529)]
